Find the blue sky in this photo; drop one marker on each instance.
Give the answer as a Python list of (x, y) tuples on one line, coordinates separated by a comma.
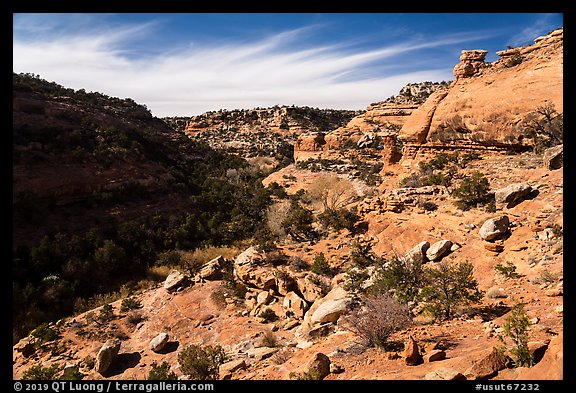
[(187, 64)]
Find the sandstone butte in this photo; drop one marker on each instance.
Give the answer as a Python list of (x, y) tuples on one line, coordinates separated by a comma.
[(486, 101)]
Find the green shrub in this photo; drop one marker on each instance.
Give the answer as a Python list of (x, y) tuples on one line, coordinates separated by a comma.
[(320, 265), (161, 372), (338, 219), (508, 270), (429, 206), (298, 222), (201, 363), (44, 333), (516, 329), (450, 285), (130, 304), (404, 278), (39, 373), (472, 190), (72, 374), (106, 313), (355, 278)]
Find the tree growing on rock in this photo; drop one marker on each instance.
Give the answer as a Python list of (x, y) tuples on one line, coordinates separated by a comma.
[(451, 285), (545, 126)]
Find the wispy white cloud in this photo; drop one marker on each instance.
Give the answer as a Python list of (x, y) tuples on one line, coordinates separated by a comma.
[(541, 26), (198, 78)]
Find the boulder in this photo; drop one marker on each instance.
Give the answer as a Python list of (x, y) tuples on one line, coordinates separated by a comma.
[(320, 364), (494, 247), (261, 353), (513, 194), (106, 355), (554, 157), (554, 292), (325, 310), (494, 228), (417, 254), (330, 310), (488, 365), (295, 304), (411, 354), (434, 356), (159, 342), (174, 281), (438, 250), (285, 284), (212, 270), (228, 368), (26, 346)]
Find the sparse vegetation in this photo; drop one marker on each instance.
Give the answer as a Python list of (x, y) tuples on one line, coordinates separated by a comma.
[(516, 327), (201, 362), (514, 60), (545, 126), (310, 375), (269, 340), (161, 372), (377, 319), (39, 373), (507, 270), (129, 304)]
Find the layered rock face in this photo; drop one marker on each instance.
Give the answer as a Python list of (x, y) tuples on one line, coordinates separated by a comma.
[(488, 102), (383, 119), (471, 62)]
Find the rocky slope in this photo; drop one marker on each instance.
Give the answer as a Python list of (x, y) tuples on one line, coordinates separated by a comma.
[(261, 132), (309, 327)]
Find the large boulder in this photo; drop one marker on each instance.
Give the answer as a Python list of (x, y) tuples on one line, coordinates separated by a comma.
[(106, 355), (159, 342), (513, 194), (174, 280), (438, 250), (325, 310), (554, 157), (417, 254), (494, 228), (488, 365), (319, 364)]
